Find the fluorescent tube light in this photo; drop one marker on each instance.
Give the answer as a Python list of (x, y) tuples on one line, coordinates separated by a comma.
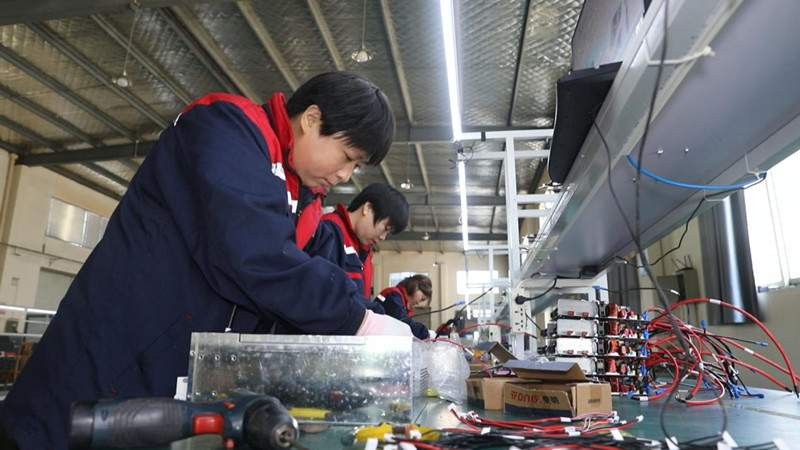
[(449, 33)]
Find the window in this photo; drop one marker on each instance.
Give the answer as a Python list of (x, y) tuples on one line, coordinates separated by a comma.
[(479, 281), (75, 225), (397, 277), (773, 219)]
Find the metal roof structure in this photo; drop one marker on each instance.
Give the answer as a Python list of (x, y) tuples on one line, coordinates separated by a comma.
[(61, 105)]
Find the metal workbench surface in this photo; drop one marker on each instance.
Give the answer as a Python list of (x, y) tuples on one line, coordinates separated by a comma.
[(750, 421)]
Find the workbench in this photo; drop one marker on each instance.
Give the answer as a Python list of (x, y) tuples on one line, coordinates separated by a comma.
[(750, 421)]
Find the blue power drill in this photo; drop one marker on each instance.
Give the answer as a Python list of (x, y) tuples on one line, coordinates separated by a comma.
[(259, 421)]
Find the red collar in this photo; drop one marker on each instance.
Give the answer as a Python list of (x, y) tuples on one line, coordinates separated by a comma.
[(342, 211), (283, 126)]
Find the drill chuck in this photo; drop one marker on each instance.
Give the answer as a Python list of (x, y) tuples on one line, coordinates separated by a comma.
[(268, 425)]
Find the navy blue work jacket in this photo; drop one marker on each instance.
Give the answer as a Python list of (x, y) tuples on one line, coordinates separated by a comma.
[(395, 304), (205, 224), (335, 240)]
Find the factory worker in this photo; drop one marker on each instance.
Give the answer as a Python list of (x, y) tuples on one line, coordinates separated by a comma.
[(209, 236), (399, 301), (346, 236)]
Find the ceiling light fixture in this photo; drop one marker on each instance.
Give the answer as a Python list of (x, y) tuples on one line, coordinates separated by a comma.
[(451, 63), (362, 54), (122, 80), (407, 185), (462, 187), (449, 33)]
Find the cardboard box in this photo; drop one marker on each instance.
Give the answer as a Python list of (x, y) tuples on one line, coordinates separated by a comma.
[(553, 389), (485, 392), (497, 350)]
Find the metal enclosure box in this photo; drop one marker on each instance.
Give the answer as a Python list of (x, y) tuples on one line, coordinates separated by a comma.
[(575, 308), (320, 379)]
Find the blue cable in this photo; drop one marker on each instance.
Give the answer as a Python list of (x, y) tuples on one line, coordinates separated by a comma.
[(759, 177)]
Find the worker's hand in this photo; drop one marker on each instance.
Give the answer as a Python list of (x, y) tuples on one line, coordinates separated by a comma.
[(380, 324)]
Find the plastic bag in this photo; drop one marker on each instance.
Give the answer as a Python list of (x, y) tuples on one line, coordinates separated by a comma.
[(443, 367)]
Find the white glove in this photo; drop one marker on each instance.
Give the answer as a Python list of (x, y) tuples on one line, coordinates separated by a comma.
[(380, 324)]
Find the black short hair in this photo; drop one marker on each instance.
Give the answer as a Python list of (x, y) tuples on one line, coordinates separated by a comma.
[(351, 106), (386, 201)]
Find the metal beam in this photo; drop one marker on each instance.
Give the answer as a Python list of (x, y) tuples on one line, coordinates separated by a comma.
[(427, 200), (9, 147), (325, 32), (398, 63), (442, 236), (84, 182), (176, 89), (211, 48), (387, 174), (196, 48), (30, 134), (59, 122), (20, 11), (423, 135), (95, 71), (520, 61), (48, 116), (266, 41), (65, 92), (92, 154)]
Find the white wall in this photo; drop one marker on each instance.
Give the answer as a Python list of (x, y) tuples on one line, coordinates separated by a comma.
[(24, 248)]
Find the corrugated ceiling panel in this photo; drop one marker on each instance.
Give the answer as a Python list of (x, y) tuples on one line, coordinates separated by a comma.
[(82, 33), (93, 44), (546, 57), (117, 168), (94, 177), (34, 123), (488, 48), (344, 18), (421, 51), (291, 26), (154, 37), (19, 40), (237, 41)]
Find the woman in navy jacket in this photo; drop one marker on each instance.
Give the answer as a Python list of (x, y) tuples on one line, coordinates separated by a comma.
[(208, 236), (399, 301)]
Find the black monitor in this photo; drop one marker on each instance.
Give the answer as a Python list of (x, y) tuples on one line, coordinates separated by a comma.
[(579, 96)]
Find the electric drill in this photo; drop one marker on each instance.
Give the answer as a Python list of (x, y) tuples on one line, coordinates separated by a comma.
[(260, 421)]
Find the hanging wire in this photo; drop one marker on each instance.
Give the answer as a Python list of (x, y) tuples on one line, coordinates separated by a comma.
[(123, 80)]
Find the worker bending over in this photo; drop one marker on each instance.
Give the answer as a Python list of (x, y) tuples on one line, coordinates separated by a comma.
[(209, 236), (347, 235), (399, 301)]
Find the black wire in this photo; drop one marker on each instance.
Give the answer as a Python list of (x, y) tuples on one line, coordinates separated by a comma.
[(534, 322), (453, 306), (520, 299)]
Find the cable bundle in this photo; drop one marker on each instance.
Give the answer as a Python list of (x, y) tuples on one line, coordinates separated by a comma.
[(710, 361), (588, 431)]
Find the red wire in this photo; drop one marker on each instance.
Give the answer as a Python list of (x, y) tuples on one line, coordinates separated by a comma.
[(756, 354), (757, 322)]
